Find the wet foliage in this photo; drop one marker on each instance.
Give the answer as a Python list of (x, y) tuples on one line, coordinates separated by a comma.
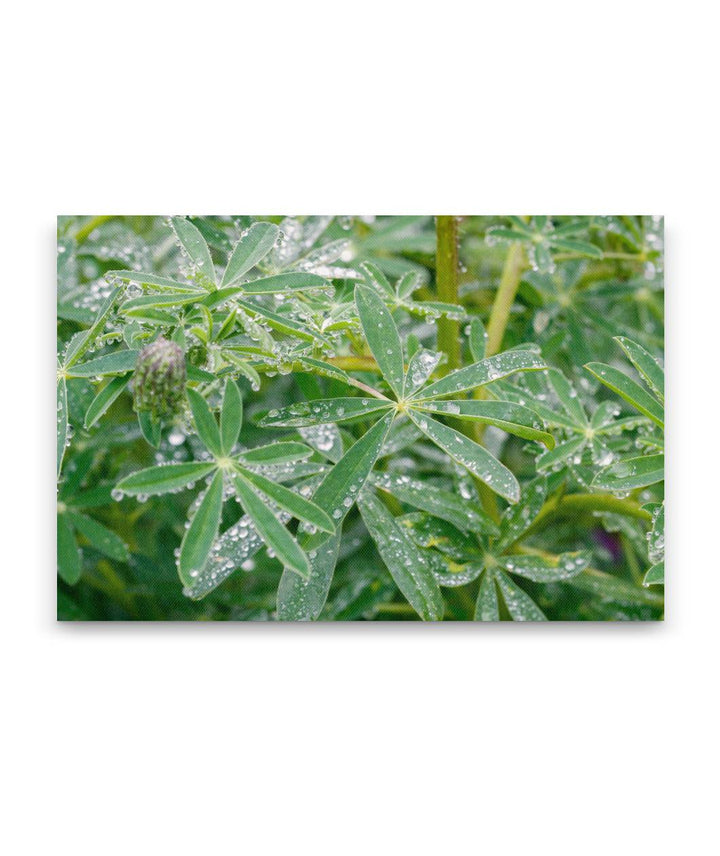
[(376, 418)]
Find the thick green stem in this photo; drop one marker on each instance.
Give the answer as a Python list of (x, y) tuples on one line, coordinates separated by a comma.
[(446, 273), (505, 297)]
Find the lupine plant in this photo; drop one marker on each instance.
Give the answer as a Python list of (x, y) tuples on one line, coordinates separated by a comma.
[(338, 418)]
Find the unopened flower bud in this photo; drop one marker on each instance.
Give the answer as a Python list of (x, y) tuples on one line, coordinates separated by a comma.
[(159, 379)]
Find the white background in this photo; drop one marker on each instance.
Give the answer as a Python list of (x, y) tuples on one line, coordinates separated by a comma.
[(359, 739)]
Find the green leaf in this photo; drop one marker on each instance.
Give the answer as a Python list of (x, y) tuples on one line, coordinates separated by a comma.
[(608, 587), (276, 453), (339, 489), (293, 503), (62, 422), (202, 532), (511, 417), (152, 301), (626, 388), (282, 323), (104, 399), (117, 363), (470, 455), (376, 277), (165, 478), (151, 428), (483, 372), (422, 364), (326, 369), (68, 553), (231, 414), (322, 411), (542, 569), (518, 518), (486, 605), (275, 284), (101, 538), (655, 575), (271, 530), (646, 365), (520, 605), (631, 474), (196, 249), (477, 339), (568, 397), (405, 561), (80, 343), (252, 248), (300, 599), (466, 515), (159, 282), (560, 453), (585, 248), (205, 423), (382, 336)]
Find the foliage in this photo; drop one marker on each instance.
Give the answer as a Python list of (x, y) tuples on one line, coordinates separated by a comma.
[(340, 418)]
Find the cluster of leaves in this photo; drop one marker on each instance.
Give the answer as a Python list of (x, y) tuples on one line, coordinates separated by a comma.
[(288, 372)]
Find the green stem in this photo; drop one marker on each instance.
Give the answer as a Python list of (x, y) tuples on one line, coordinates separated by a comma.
[(92, 224), (505, 297), (573, 504), (446, 274)]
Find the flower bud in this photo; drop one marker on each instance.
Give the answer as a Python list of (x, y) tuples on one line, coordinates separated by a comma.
[(159, 379)]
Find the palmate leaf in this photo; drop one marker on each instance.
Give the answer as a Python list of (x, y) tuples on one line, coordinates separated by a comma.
[(282, 323), (518, 518), (196, 249), (519, 604), (483, 372), (151, 428), (545, 569), (252, 248), (272, 531), (205, 423), (321, 411), (513, 418), (62, 422), (82, 341), (69, 556), (486, 605), (165, 478), (560, 453), (470, 455), (462, 513), (655, 575), (161, 283), (116, 363), (646, 365), (303, 600), (276, 284), (422, 364), (568, 397), (202, 532), (275, 453), (100, 537), (631, 474), (104, 399), (405, 561), (296, 505), (628, 389), (231, 414), (382, 336)]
